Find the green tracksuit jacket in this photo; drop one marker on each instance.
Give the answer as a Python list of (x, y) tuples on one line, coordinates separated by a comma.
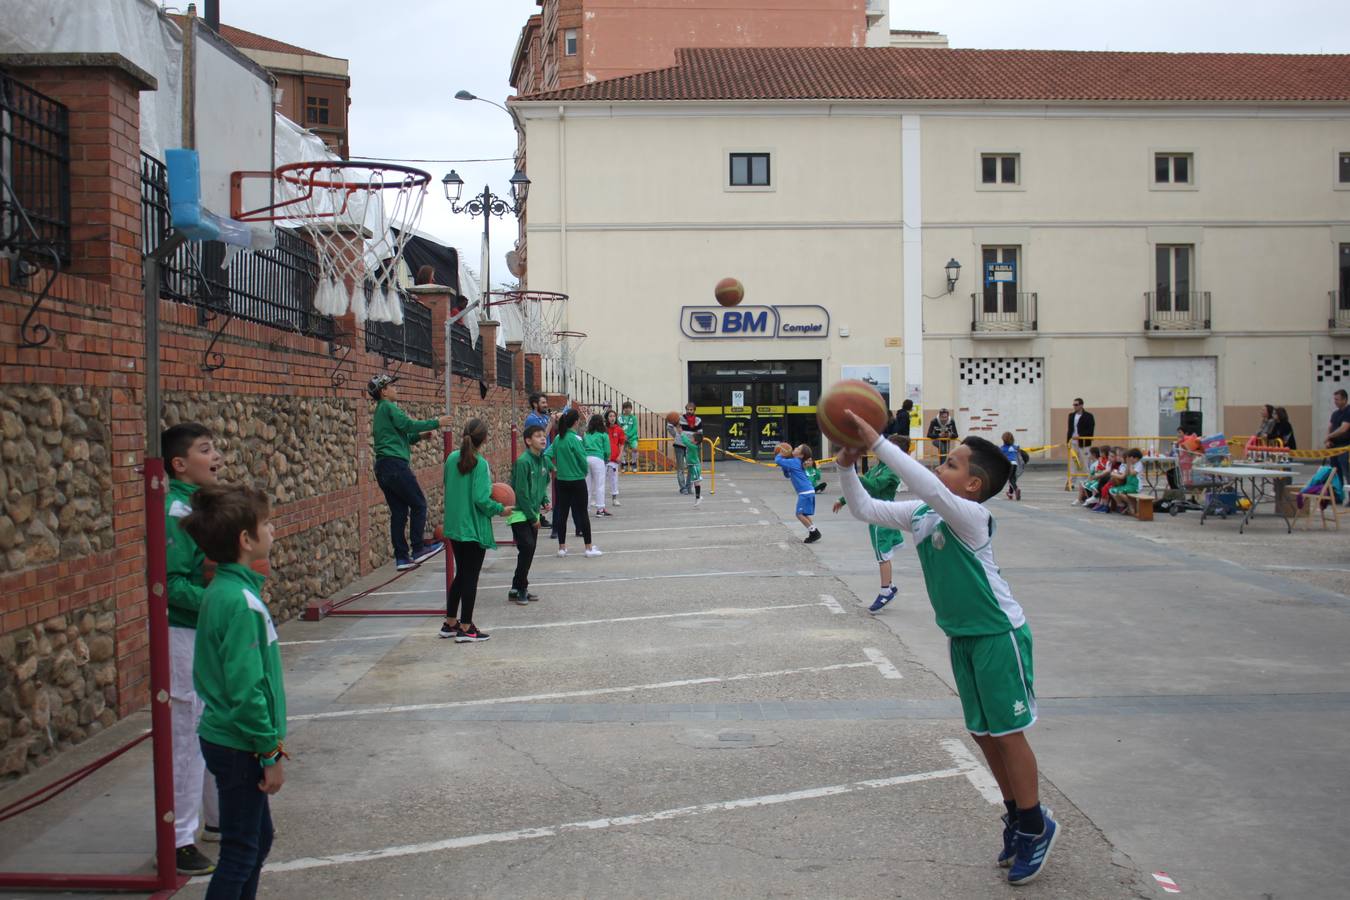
[(237, 669), (394, 432), (529, 479), (469, 506), (569, 457), (185, 558)]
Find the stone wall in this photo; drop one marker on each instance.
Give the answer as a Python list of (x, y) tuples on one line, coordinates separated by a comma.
[(313, 563), (58, 685), (55, 474), (294, 448)]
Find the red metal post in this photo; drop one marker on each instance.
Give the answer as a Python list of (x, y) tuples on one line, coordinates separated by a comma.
[(514, 451), (157, 584)]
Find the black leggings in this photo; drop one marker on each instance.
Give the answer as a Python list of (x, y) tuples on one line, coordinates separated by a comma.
[(525, 534), (464, 589), (572, 498)]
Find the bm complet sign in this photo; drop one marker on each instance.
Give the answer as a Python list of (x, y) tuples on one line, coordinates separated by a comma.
[(741, 322)]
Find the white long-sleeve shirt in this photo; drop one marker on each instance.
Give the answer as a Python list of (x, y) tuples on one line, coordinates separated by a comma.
[(954, 542)]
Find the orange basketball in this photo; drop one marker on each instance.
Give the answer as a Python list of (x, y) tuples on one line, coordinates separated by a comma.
[(729, 292), (503, 494), (672, 418), (858, 396), (783, 449)]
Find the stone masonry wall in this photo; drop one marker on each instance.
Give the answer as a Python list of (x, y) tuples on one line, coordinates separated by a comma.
[(55, 474)]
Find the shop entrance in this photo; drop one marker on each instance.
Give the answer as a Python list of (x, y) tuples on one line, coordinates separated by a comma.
[(752, 406)]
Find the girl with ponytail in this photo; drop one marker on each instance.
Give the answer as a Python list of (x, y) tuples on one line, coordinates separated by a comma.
[(469, 509), (568, 455)]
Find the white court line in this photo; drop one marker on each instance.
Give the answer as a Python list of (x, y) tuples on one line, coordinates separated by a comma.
[(975, 772), (882, 663), (831, 604), (665, 815), (752, 511), (728, 611), (699, 527), (698, 547), (589, 692), (744, 499), (763, 573)]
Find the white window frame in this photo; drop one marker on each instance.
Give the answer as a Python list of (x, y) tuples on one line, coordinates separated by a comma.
[(725, 162), (1155, 152), (1016, 154), (1336, 182), (1192, 273), (572, 36)]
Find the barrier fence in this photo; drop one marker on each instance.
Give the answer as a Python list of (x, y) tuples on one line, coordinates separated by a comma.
[(1239, 446)]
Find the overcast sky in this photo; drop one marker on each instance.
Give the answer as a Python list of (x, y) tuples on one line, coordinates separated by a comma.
[(408, 57)]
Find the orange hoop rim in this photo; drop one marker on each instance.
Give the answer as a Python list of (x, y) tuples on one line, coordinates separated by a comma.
[(290, 173), (521, 296)]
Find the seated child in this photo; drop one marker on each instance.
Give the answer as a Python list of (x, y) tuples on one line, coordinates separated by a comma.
[(1125, 482), (1087, 487), (1115, 462)]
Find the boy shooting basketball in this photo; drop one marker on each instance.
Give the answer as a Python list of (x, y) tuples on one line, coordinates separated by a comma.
[(795, 471), (989, 639)]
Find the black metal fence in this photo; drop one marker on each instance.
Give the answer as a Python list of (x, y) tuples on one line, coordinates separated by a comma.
[(465, 358), (272, 287), (505, 367), (530, 383), (410, 342), (35, 161)]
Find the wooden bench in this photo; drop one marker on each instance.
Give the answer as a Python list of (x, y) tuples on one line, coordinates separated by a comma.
[(1141, 505)]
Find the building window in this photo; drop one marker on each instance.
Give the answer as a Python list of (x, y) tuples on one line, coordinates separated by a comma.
[(750, 170), (1001, 273), (570, 42), (1344, 302), (1343, 169), (1173, 168), (316, 110), (999, 168), (1175, 275)]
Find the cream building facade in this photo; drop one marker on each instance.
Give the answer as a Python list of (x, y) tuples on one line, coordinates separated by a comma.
[(1147, 231)]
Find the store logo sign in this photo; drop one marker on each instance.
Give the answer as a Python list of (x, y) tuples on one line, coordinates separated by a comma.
[(743, 322)]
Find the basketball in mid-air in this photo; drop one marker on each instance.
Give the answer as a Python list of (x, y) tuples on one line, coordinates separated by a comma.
[(503, 493), (672, 418), (729, 292), (864, 400), (783, 449)]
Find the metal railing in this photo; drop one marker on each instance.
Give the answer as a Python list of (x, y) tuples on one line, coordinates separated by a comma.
[(271, 287), (1020, 319), (35, 160), (1340, 310), (530, 384), (1177, 312), (466, 359), (410, 342), (505, 367), (596, 395)]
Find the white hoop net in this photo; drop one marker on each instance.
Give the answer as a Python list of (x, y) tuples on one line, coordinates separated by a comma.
[(533, 317), (567, 343), (359, 220)]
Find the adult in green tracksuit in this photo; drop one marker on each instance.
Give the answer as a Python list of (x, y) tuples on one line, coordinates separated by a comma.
[(529, 479), (237, 673), (192, 460), (394, 433), (469, 509), (882, 484), (568, 454)]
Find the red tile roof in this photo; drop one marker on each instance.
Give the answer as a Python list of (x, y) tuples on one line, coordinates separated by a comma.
[(899, 73), (247, 40)]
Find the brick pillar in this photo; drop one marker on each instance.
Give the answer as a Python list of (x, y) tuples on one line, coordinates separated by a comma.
[(435, 297), (102, 92), (517, 366), (536, 362), (487, 331)]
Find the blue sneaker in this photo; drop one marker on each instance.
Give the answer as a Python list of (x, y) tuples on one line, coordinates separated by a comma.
[(428, 551), (886, 596), (403, 564), (1009, 845), (1032, 853)]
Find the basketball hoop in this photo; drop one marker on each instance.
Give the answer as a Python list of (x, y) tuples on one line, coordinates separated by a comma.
[(568, 342), (537, 315), (359, 217)]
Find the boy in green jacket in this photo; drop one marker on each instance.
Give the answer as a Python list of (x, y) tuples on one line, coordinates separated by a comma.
[(629, 423), (193, 461), (394, 433), (529, 479), (237, 673)]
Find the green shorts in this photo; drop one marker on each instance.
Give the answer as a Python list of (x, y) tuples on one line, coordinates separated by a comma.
[(993, 676), (884, 541)]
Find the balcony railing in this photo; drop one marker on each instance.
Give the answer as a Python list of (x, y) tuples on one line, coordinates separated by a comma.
[(35, 160), (465, 359), (410, 342), (1340, 311), (1176, 312), (1016, 315), (530, 383), (505, 367)]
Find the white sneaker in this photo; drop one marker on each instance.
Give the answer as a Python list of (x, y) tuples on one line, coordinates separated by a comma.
[(1076, 503), (593, 552), (698, 501), (615, 500), (562, 551)]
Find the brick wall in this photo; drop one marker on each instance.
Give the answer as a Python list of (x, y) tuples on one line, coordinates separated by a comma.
[(73, 638)]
